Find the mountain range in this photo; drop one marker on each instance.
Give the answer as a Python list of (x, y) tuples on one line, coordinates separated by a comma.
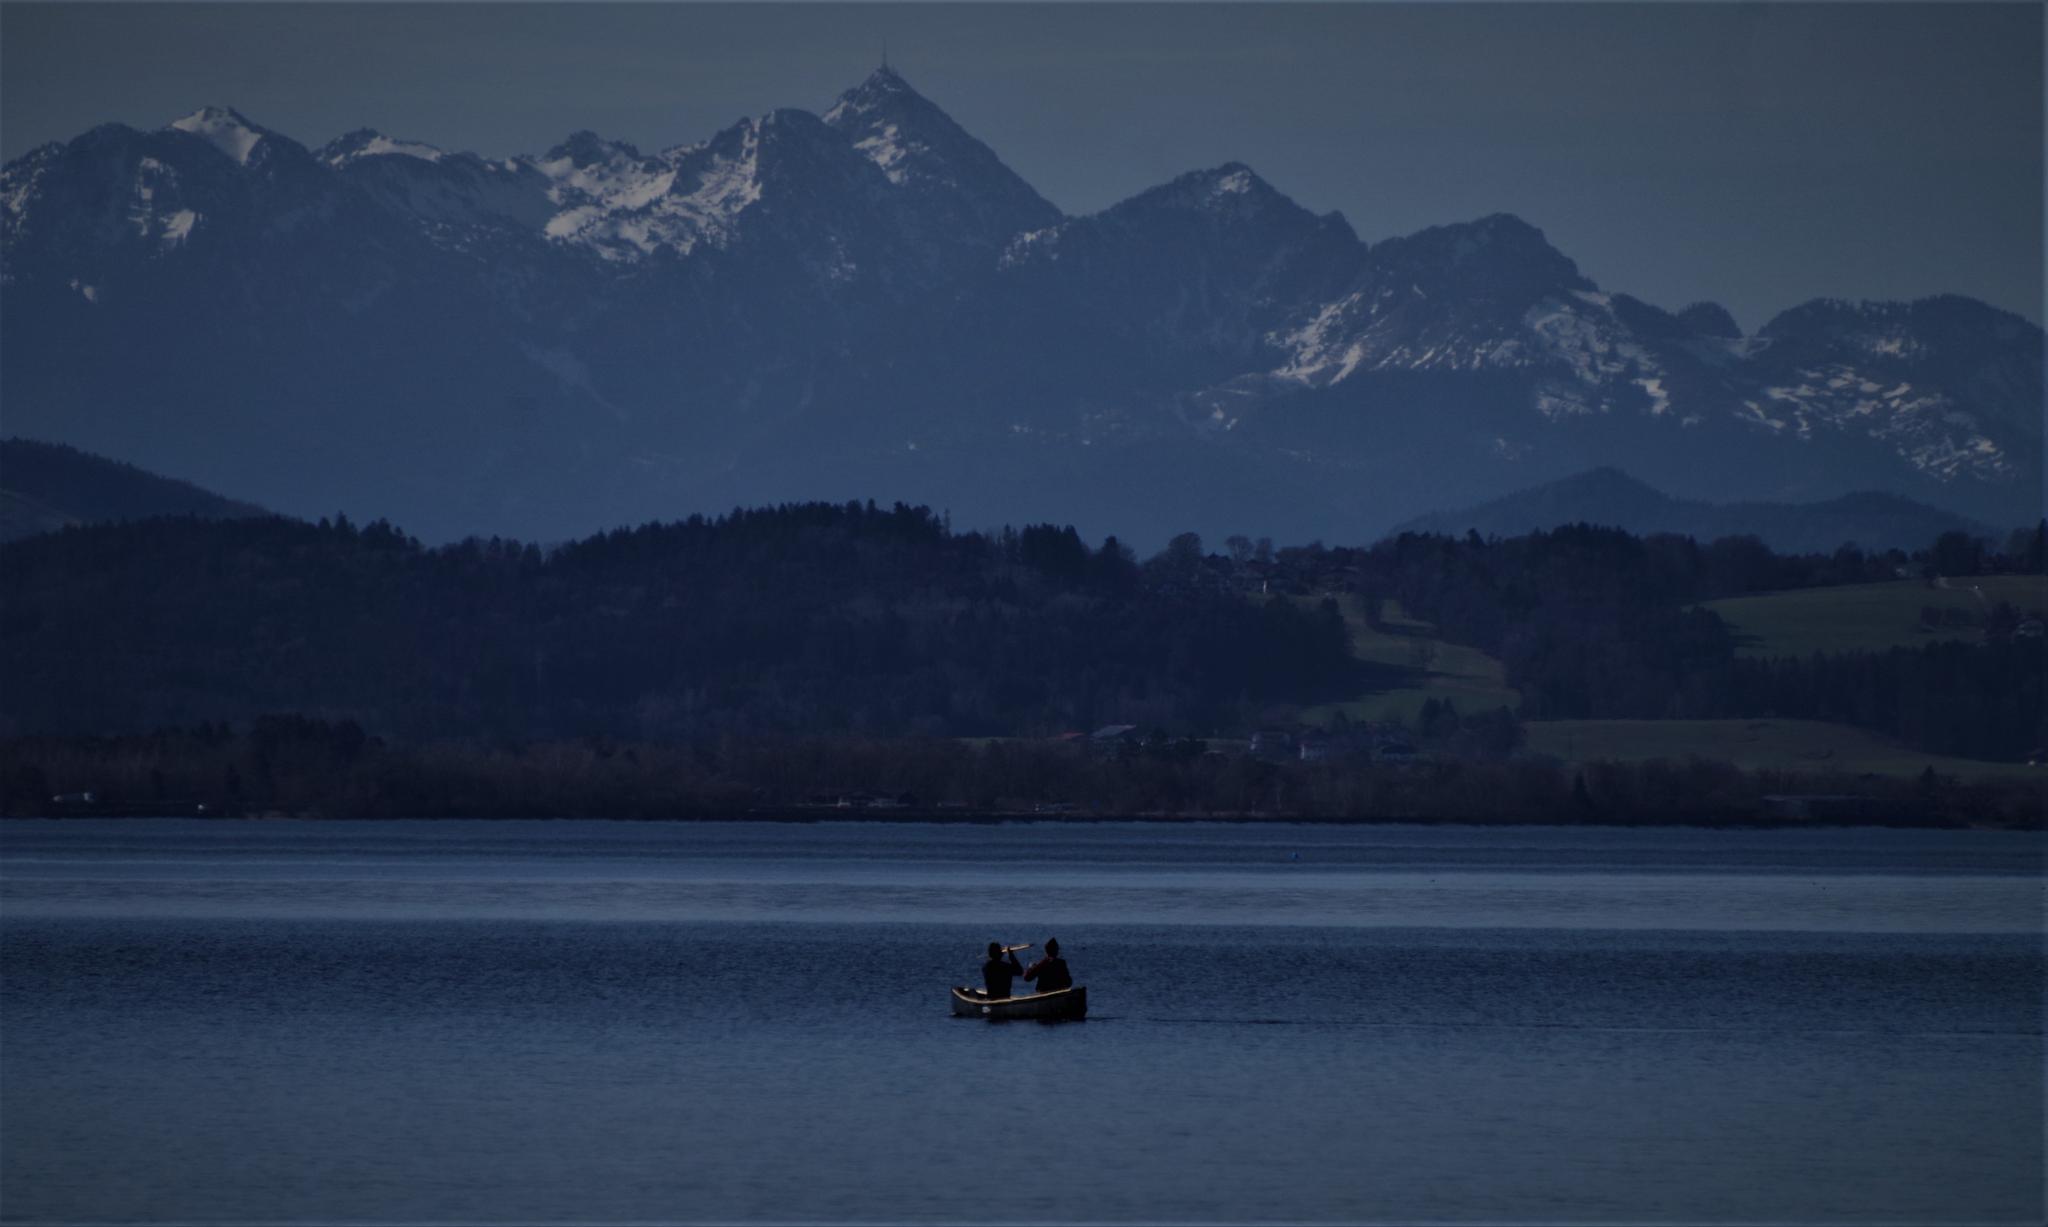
[(45, 487), (1612, 499), (869, 303)]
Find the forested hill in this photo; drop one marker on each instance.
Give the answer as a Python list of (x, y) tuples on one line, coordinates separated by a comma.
[(853, 619), (807, 618), (47, 486)]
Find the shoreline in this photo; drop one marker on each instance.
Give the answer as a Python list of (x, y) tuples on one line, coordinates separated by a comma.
[(836, 816)]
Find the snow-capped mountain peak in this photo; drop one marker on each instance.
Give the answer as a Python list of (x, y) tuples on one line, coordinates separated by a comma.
[(1232, 190), (225, 129), (948, 174), (370, 143), (882, 85), (885, 93)]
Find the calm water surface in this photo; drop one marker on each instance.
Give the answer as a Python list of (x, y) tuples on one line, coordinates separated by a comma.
[(601, 1022)]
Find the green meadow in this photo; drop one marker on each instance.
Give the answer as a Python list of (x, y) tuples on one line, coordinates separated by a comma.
[(1438, 670), (1869, 617)]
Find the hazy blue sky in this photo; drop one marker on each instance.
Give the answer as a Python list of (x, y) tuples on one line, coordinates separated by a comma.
[(1758, 155)]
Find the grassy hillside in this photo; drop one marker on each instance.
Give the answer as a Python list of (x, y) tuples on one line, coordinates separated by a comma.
[(1757, 745), (1869, 617), (1437, 669)]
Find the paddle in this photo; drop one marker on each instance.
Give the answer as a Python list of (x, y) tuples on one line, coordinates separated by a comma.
[(1015, 949)]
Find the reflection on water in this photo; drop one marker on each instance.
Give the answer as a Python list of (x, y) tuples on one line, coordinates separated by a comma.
[(616, 1022)]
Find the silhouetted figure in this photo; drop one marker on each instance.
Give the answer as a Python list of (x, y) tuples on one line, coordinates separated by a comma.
[(1002, 967), (1050, 973)]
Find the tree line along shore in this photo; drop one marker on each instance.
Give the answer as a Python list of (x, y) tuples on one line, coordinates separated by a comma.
[(862, 660), (292, 767)]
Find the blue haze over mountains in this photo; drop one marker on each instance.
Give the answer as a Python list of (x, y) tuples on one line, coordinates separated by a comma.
[(868, 303)]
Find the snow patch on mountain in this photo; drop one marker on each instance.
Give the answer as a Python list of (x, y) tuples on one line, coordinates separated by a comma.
[(1925, 428), (1576, 333), (571, 372), (624, 207), (1031, 245), (177, 227), (368, 143), (1660, 400), (154, 190), (1322, 351), (19, 180), (894, 127), (1235, 183), (887, 150), (587, 168), (225, 130)]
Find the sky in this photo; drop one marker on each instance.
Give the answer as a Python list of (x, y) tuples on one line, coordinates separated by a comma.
[(1756, 155)]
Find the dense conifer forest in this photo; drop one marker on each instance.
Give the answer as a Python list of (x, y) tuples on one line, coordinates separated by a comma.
[(810, 618)]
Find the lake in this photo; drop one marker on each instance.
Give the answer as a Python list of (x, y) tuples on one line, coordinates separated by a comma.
[(617, 1022)]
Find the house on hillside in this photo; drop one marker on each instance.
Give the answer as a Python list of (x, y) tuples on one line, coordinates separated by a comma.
[(1275, 744), (1117, 740)]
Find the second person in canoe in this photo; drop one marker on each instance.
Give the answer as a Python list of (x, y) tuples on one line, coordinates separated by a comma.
[(1050, 973)]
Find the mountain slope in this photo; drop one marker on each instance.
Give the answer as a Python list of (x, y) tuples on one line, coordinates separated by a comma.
[(46, 486), (1611, 498)]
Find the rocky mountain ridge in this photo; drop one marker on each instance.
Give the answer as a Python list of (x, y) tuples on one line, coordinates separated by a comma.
[(868, 303)]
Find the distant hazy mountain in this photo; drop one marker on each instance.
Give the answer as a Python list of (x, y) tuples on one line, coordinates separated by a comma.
[(45, 486), (869, 303), (1612, 498)]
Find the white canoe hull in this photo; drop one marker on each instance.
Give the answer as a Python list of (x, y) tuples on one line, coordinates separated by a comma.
[(1065, 1003)]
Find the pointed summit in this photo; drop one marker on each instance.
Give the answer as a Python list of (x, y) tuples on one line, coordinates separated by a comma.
[(946, 172), (886, 78), (1231, 195), (1232, 185), (226, 129), (881, 85)]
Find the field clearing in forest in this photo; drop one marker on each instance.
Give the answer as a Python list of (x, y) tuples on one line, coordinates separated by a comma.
[(1870, 617), (1440, 670)]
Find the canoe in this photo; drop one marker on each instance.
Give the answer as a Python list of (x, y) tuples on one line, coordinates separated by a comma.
[(1063, 1003)]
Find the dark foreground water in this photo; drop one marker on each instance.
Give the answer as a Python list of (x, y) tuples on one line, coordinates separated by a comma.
[(594, 1022)]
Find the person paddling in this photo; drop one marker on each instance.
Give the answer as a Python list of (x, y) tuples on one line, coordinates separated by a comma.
[(1002, 966), (1050, 973)]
